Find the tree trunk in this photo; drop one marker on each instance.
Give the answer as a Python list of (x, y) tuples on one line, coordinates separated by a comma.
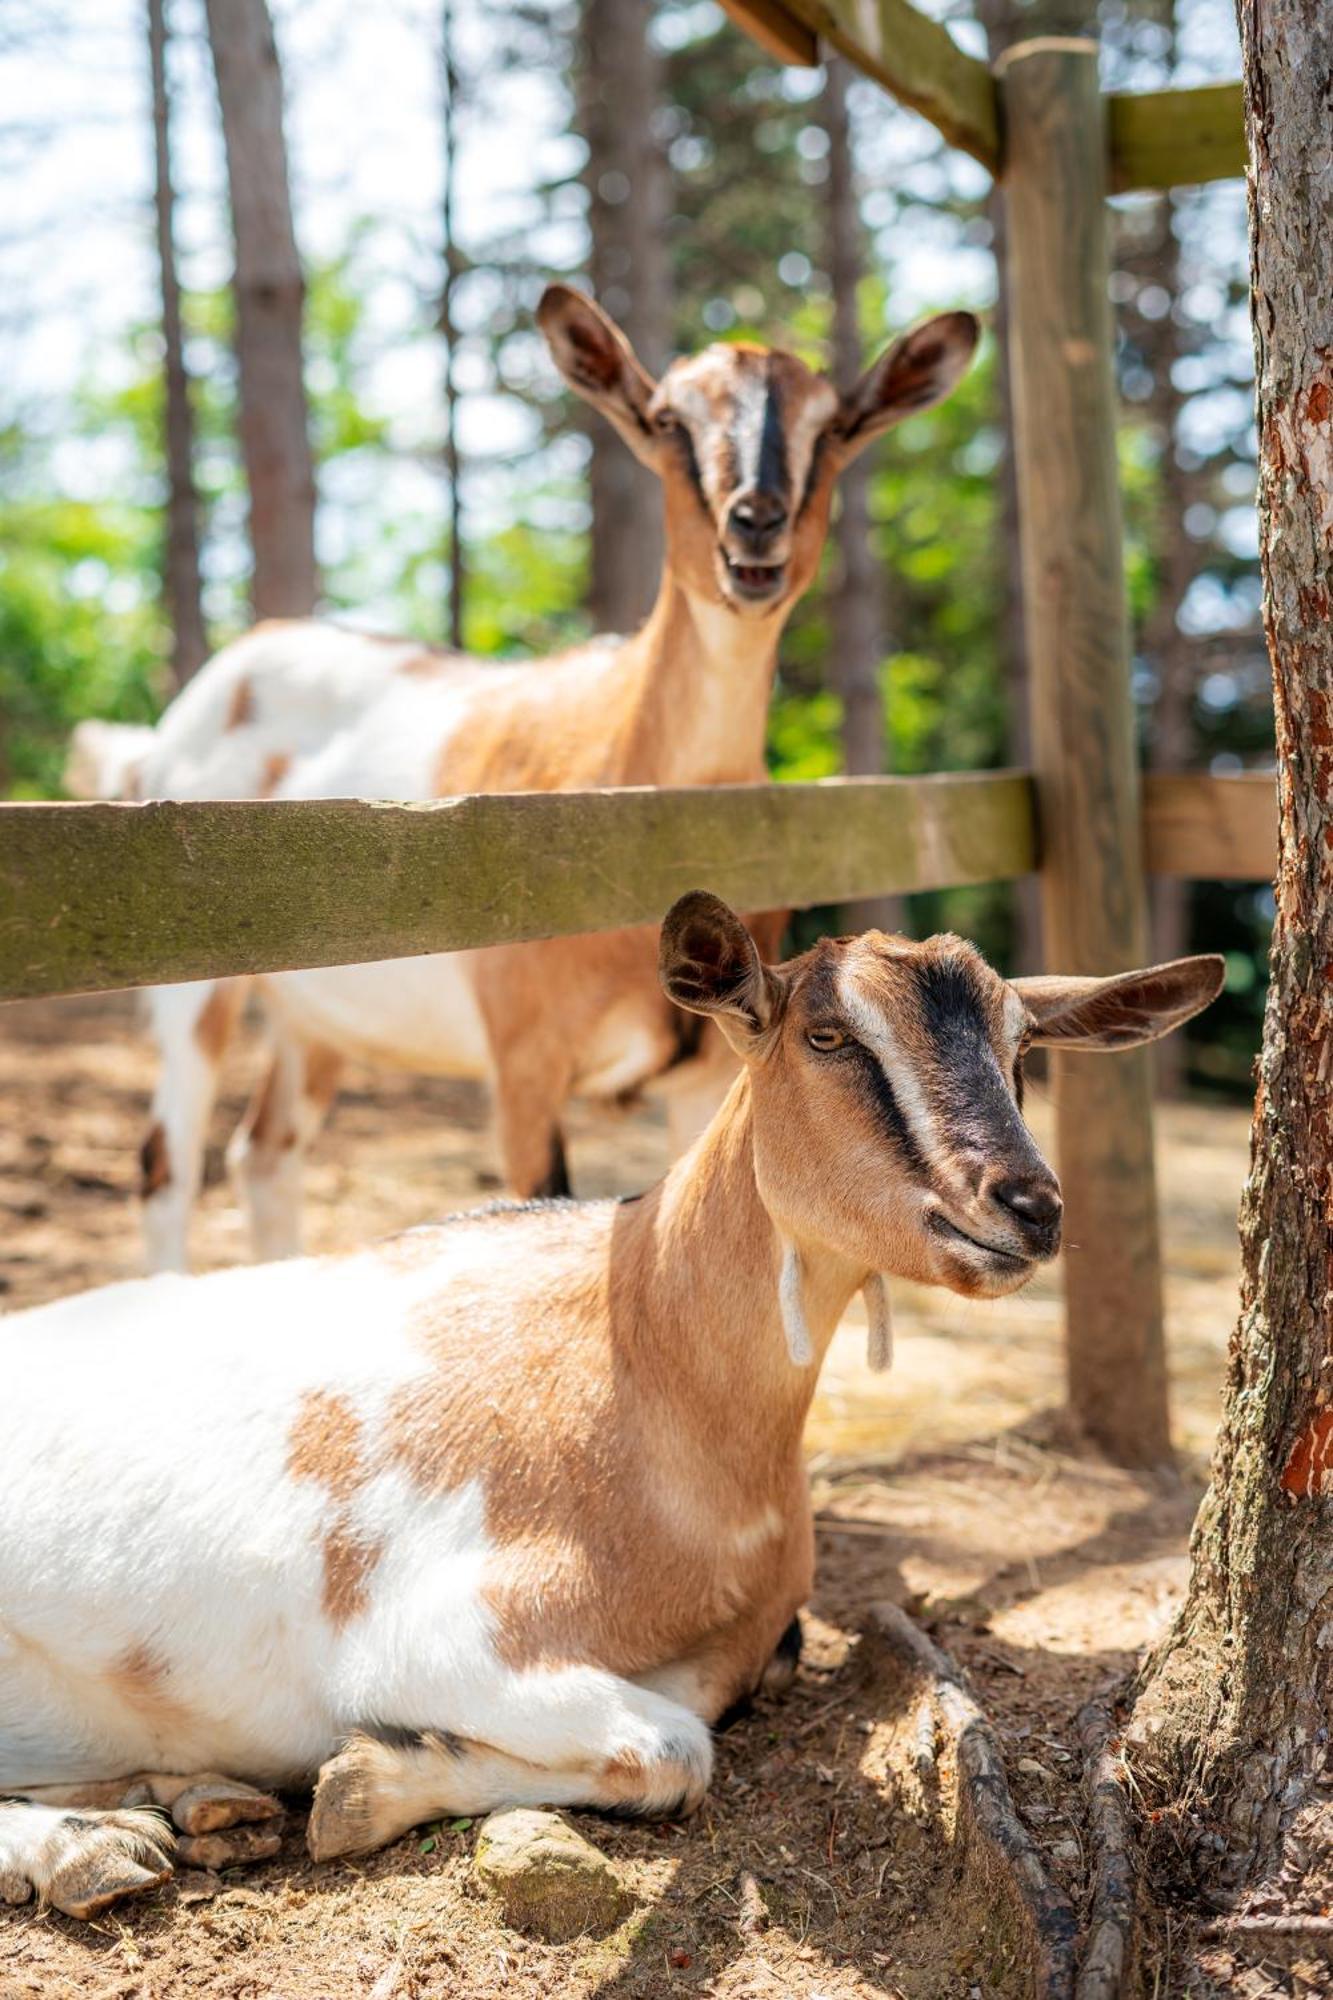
[(1002, 27), (180, 566), (1237, 1700), (275, 443), (448, 329), (626, 179), (856, 602)]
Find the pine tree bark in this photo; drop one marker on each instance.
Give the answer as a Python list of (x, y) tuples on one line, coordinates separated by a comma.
[(856, 602), (270, 291), (181, 585), (626, 179), (1238, 1698)]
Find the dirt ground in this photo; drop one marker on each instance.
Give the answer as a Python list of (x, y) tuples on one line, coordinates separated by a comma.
[(944, 1487)]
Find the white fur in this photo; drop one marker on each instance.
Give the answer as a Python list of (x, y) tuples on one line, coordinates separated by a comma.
[(791, 1301), (150, 1507), (873, 1030)]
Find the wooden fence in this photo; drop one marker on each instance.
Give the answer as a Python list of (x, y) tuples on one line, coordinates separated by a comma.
[(99, 896)]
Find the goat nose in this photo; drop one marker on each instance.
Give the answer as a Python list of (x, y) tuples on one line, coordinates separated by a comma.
[(1036, 1203), (758, 513)]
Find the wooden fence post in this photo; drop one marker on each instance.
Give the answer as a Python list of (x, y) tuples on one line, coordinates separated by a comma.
[(1055, 180)]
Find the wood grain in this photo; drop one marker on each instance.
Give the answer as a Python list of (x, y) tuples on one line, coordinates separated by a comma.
[(101, 896), (1175, 138), (917, 60), (1211, 829), (1083, 723)]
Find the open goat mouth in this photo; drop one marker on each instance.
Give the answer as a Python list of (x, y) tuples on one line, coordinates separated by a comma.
[(757, 582)]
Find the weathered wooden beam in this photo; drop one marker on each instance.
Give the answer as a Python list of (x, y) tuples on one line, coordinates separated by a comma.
[(778, 31), (1175, 138), (1082, 720), (100, 896), (919, 61), (1211, 829)]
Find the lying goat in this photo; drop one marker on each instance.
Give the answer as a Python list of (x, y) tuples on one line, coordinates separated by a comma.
[(511, 1507)]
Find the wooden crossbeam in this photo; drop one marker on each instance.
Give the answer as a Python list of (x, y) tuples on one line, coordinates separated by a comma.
[(919, 61), (1156, 139), (100, 896), (1175, 138), (1211, 829), (778, 32)]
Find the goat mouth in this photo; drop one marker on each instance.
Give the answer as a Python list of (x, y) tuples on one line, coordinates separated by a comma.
[(1003, 1259), (754, 582)]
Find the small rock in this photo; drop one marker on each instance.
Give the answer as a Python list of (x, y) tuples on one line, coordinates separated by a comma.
[(1067, 1850), (549, 1880), (1030, 1768)]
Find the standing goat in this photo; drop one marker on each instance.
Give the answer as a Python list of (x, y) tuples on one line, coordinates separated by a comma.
[(509, 1508), (747, 443)]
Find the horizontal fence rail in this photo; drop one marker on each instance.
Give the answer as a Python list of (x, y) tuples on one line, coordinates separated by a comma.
[(1156, 139), (100, 896), (1211, 829), (94, 897)]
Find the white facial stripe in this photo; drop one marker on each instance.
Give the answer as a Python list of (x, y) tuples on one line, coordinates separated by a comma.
[(870, 1027), (748, 427), (803, 429)]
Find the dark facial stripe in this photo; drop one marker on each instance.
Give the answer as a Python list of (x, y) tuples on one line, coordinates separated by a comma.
[(812, 477), (967, 1083), (773, 473), (887, 1109)]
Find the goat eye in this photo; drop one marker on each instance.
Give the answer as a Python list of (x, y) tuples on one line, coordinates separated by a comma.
[(665, 422), (826, 1039)]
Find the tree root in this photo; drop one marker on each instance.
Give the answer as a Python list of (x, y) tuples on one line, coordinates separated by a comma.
[(1108, 1956), (1033, 1912)]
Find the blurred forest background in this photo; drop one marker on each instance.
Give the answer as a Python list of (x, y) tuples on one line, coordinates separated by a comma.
[(267, 276)]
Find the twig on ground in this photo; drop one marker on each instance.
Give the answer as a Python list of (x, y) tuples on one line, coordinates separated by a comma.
[(998, 1841), (754, 1914), (1109, 1956)]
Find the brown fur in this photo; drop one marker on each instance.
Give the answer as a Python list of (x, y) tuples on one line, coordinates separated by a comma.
[(212, 1030), (141, 1679), (154, 1162), (276, 767), (325, 1445), (241, 708), (349, 1563)]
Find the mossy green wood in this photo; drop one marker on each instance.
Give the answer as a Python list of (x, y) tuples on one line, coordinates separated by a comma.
[(919, 62), (1175, 138), (100, 896)]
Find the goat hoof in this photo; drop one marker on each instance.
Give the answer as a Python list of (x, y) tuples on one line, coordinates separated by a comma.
[(102, 1857), (342, 1817), (211, 1806), (229, 1849)]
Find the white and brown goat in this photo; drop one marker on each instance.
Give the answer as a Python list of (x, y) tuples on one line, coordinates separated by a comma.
[(747, 442), (512, 1507)]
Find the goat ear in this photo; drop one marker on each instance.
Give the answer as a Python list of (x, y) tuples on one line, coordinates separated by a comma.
[(1124, 1010), (709, 964), (599, 364), (921, 368)]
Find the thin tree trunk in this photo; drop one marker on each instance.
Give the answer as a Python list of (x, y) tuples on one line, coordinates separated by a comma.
[(448, 329), (626, 179), (856, 602), (1003, 27), (1236, 1705), (275, 442), (180, 567)]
